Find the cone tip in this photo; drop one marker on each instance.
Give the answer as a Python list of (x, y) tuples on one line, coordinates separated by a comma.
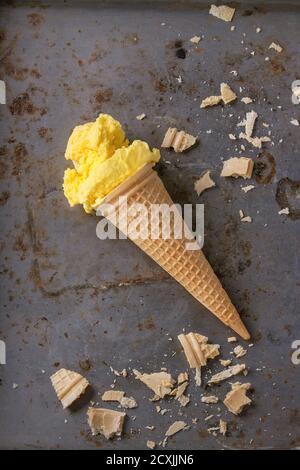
[(239, 327)]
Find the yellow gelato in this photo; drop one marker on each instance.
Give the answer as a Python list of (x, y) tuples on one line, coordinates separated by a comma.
[(103, 159)]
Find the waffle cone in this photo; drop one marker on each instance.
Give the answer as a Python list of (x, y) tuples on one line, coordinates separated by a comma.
[(190, 268)]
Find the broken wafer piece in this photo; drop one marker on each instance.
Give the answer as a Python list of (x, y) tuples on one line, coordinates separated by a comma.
[(237, 399), (68, 386), (115, 395), (182, 377), (179, 140), (238, 166), (112, 395), (197, 350), (247, 100), (227, 373), (195, 39), (223, 427), (239, 351), (210, 399), (104, 421), (276, 47), (161, 383), (203, 183), (255, 141), (222, 12), (248, 188), (227, 94), (225, 362), (210, 101), (175, 428), (284, 211), (151, 444)]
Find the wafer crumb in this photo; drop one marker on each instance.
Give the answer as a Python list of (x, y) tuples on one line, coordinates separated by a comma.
[(161, 383), (179, 140), (227, 373), (209, 399), (276, 47), (238, 167), (248, 188), (105, 421), (228, 96), (222, 12), (203, 183), (239, 351), (223, 427), (195, 39), (284, 211), (175, 428), (140, 117), (210, 101), (151, 444), (247, 100), (237, 399)]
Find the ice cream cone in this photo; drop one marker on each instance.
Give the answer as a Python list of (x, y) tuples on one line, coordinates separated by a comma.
[(190, 268)]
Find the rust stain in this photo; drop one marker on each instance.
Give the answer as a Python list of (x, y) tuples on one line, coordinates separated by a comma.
[(44, 133), (264, 168), (147, 324), (3, 164), (20, 155), (288, 195), (35, 19), (20, 247), (4, 196), (85, 364)]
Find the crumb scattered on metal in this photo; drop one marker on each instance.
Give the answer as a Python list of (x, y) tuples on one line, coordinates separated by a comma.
[(247, 100), (239, 351), (161, 383), (228, 96), (295, 122), (237, 399), (175, 428), (209, 399), (140, 117), (104, 421), (248, 188), (182, 377), (179, 140), (232, 339), (227, 373), (112, 395), (197, 350), (222, 12), (151, 444), (276, 47), (225, 362), (203, 183), (210, 101), (223, 427), (195, 39), (284, 211), (238, 166)]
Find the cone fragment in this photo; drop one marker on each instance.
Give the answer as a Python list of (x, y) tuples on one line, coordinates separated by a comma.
[(68, 386), (189, 267)]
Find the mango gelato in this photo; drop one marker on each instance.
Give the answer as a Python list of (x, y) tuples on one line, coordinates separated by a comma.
[(102, 159)]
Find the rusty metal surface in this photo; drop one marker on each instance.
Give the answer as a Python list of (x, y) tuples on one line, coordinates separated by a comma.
[(68, 299)]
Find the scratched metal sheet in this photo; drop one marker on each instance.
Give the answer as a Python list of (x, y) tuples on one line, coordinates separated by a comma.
[(68, 299)]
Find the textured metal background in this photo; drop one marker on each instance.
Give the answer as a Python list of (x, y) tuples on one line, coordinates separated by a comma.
[(68, 299)]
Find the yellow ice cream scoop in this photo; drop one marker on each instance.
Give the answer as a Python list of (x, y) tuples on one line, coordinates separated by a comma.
[(102, 159)]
